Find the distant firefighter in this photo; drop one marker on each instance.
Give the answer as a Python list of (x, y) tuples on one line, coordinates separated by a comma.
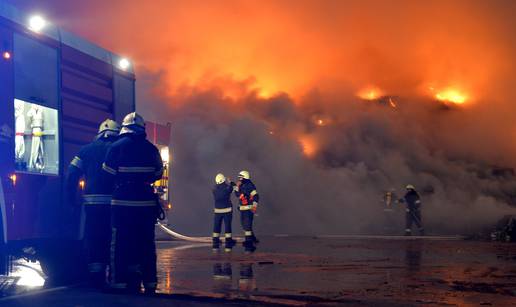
[(246, 192), (413, 214), (223, 211), (96, 199)]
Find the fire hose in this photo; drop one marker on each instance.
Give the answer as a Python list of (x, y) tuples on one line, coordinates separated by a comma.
[(181, 237)]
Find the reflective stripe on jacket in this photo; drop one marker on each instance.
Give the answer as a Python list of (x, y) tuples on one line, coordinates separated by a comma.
[(134, 164)]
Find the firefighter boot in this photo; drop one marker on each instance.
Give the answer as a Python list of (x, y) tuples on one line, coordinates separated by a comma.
[(150, 288), (230, 242), (97, 280), (249, 245), (97, 275), (216, 243)]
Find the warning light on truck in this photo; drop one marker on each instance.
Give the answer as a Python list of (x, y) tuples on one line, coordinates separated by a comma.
[(37, 23)]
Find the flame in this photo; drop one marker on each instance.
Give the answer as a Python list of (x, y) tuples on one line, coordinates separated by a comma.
[(308, 145), (82, 184), (370, 93), (449, 94), (452, 95)]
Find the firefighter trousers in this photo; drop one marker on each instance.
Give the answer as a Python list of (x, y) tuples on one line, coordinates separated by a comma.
[(220, 218), (246, 219), (133, 251), (413, 216), (97, 238)]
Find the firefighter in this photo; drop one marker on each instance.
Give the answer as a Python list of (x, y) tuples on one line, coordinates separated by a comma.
[(133, 164), (246, 192), (413, 210), (96, 199), (223, 212)]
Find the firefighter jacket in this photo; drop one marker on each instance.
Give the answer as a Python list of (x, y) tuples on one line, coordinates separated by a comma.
[(247, 195), (412, 199), (88, 163), (134, 164), (222, 197)]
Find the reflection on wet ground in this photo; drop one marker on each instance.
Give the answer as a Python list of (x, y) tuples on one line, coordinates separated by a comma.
[(25, 276), (297, 270)]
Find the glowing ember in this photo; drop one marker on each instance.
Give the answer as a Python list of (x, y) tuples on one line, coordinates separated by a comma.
[(451, 95), (320, 122), (308, 145), (392, 103), (370, 93)]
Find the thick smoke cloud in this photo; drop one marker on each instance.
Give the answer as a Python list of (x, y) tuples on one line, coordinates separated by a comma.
[(362, 149), (226, 74)]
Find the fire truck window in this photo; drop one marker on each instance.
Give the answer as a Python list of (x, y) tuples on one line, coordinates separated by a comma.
[(37, 138), (124, 96), (35, 71)]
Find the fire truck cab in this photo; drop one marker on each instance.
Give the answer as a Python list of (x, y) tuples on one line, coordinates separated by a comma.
[(55, 89)]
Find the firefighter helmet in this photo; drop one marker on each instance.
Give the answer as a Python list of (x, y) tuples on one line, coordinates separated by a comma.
[(220, 178), (244, 175), (133, 119), (109, 125), (133, 123), (410, 187)]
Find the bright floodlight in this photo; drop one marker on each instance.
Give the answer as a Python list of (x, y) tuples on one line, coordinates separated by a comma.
[(124, 64), (165, 154), (37, 23)]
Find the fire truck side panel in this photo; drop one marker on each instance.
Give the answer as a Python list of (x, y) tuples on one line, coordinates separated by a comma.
[(78, 85), (87, 98)]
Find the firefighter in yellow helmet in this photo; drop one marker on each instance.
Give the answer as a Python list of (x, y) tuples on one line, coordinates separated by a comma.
[(413, 210), (96, 199), (246, 192), (223, 211)]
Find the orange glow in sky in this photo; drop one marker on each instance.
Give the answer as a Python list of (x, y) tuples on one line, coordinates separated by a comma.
[(296, 46)]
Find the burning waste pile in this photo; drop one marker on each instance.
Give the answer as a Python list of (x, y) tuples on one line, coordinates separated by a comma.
[(324, 162)]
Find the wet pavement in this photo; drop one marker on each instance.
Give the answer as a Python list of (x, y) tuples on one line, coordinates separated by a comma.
[(346, 270), (329, 271)]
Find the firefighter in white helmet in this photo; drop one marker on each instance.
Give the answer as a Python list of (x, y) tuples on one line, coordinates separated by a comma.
[(134, 164), (223, 211), (246, 192), (96, 199), (413, 210)]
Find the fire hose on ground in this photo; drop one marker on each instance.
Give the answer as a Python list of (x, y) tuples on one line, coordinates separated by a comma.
[(181, 237)]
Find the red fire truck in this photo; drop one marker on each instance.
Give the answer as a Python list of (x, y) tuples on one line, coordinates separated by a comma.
[(55, 89)]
